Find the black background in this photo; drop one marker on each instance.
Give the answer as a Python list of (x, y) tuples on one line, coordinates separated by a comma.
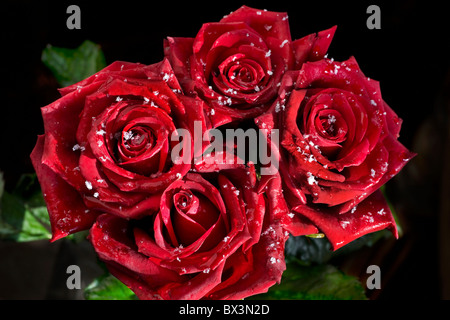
[(409, 55)]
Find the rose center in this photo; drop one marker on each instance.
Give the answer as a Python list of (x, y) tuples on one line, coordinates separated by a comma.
[(330, 125), (327, 125), (185, 202), (138, 138), (246, 74), (192, 215)]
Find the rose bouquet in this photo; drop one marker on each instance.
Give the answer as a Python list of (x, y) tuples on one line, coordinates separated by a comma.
[(135, 154)]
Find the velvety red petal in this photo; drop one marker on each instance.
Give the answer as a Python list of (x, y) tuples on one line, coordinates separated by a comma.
[(115, 68), (312, 47), (266, 270), (373, 214), (66, 208), (266, 23), (208, 34), (59, 152), (111, 239)]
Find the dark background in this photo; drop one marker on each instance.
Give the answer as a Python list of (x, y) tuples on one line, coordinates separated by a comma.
[(409, 55)]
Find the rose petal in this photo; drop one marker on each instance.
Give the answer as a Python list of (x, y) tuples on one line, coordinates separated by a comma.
[(313, 47), (267, 257), (59, 153), (66, 208), (178, 50), (110, 239), (373, 214), (266, 23)]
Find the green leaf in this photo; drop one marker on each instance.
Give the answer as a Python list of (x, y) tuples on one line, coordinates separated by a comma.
[(108, 287), (21, 222), (318, 282), (23, 219), (72, 65)]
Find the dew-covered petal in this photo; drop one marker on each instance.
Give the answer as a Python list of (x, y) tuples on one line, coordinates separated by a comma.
[(313, 47), (66, 208), (373, 214)]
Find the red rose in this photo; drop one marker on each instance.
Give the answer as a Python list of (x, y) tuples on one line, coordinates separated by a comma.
[(338, 146), (107, 144), (237, 63), (213, 238)]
